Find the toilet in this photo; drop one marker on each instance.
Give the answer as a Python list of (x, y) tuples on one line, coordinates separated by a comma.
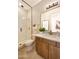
[(29, 45)]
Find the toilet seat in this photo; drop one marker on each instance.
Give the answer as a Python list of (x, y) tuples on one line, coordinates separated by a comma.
[(29, 42)]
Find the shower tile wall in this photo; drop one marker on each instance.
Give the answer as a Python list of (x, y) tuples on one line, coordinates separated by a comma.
[(24, 25)]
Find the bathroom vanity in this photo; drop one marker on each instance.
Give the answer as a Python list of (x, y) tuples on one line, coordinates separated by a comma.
[(47, 46)]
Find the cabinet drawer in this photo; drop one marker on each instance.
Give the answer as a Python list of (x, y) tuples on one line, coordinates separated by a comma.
[(53, 43)]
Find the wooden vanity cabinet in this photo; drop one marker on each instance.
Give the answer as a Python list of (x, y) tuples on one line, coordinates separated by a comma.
[(47, 49), (42, 47)]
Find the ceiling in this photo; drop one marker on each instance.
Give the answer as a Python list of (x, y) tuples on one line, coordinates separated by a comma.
[(35, 2), (26, 3), (26, 7), (32, 2)]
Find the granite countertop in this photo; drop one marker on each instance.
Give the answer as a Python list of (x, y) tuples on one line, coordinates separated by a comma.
[(48, 37)]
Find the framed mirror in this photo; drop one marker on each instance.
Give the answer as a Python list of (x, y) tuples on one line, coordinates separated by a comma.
[(50, 20)]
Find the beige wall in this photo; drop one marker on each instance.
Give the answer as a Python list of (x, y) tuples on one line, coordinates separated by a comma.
[(25, 19), (38, 10)]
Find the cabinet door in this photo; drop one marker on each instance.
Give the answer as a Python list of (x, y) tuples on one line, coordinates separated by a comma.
[(57, 48), (54, 51), (52, 54), (42, 47), (57, 52), (38, 45)]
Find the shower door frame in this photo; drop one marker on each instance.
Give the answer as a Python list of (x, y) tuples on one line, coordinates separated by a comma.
[(31, 17)]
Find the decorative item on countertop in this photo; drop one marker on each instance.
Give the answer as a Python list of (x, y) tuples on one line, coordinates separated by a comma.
[(42, 30), (50, 32)]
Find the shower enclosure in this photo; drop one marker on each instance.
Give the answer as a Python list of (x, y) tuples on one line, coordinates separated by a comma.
[(24, 22)]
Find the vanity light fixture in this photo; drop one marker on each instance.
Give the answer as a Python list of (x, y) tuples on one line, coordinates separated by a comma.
[(52, 5)]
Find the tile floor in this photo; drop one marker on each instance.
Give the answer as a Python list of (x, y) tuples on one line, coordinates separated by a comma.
[(22, 54)]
